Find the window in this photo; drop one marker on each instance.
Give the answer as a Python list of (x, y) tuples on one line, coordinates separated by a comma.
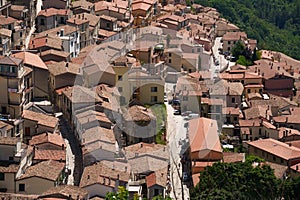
[(274, 158), (228, 48), (259, 131), (153, 89), (120, 78), (192, 50), (107, 25), (2, 176), (153, 99), (170, 54), (232, 100), (12, 69), (120, 89), (156, 192), (27, 131), (170, 60), (185, 98), (281, 160), (228, 42), (122, 100), (21, 187), (235, 118), (42, 22), (248, 90), (198, 49), (21, 34)]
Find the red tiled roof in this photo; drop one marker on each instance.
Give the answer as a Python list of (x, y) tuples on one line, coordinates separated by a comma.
[(276, 148), (31, 59), (203, 134), (40, 118), (52, 138), (53, 11), (58, 155), (47, 170)]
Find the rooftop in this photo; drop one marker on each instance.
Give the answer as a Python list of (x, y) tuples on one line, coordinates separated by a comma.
[(105, 173), (277, 148), (40, 118), (52, 138), (49, 170), (31, 59)]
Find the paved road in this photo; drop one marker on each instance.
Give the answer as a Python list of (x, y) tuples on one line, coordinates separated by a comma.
[(74, 153), (222, 60), (176, 132), (39, 4)]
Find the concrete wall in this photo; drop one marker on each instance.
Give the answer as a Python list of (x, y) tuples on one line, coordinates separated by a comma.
[(8, 182), (145, 96), (98, 190), (34, 185), (7, 151)]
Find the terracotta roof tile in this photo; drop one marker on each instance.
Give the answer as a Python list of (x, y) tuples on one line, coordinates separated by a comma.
[(58, 155), (53, 11), (9, 60), (6, 20), (40, 118), (203, 134), (66, 190), (8, 167), (229, 157), (9, 140), (234, 36), (98, 133), (31, 59), (53, 42), (5, 32), (102, 172), (276, 148), (47, 169), (142, 148), (52, 138), (62, 67)]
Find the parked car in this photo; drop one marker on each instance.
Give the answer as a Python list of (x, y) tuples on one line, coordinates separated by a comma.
[(177, 112), (185, 177), (186, 113)]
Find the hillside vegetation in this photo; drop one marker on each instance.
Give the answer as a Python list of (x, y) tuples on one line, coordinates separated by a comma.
[(275, 24)]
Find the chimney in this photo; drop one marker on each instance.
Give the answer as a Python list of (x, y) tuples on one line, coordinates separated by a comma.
[(62, 32)]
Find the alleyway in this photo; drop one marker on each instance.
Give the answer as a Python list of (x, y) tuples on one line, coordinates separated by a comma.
[(75, 151)]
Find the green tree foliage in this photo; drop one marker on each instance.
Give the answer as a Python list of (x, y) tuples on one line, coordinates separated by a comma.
[(275, 24), (122, 194), (291, 189), (245, 55), (237, 181)]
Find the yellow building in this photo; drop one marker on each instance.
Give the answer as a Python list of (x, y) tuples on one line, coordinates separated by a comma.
[(15, 81)]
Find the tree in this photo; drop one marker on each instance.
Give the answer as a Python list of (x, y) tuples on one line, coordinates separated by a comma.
[(237, 181), (122, 194), (290, 188), (238, 49)]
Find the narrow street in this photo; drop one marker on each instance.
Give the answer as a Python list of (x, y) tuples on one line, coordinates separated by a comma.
[(74, 155), (176, 133), (222, 60)]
